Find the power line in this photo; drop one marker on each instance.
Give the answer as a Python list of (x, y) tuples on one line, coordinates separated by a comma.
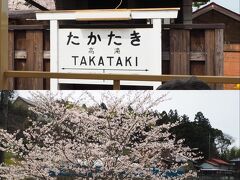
[(120, 3)]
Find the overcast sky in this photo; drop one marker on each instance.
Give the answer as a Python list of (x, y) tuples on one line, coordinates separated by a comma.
[(233, 5), (220, 107)]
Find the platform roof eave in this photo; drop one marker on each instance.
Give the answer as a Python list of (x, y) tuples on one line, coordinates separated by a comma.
[(109, 14)]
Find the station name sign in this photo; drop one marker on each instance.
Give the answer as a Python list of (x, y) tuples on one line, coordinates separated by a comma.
[(130, 51), (113, 51)]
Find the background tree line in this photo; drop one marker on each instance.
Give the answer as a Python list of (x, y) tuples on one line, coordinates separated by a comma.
[(12, 117), (198, 134)]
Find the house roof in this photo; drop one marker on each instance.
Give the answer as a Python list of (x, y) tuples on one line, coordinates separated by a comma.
[(212, 163), (215, 7), (219, 161), (24, 100)]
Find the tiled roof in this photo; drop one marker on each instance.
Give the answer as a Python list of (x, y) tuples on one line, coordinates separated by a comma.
[(210, 162), (27, 101), (219, 161)]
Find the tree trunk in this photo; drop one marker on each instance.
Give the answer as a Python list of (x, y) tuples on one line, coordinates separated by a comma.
[(3, 115)]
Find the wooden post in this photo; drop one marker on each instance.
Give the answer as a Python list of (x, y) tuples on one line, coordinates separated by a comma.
[(187, 11), (209, 49), (219, 56), (179, 52), (116, 85), (11, 57), (3, 43), (35, 57), (214, 50)]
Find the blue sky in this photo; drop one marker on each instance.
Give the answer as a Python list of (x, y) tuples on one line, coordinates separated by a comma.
[(233, 5)]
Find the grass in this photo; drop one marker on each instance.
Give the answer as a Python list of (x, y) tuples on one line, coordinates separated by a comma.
[(10, 159)]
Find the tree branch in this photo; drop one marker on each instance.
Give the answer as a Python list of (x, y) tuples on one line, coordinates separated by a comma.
[(37, 5)]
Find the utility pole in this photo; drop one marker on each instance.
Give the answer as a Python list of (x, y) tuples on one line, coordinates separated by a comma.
[(209, 146)]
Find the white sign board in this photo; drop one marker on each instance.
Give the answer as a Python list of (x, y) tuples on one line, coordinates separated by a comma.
[(111, 51)]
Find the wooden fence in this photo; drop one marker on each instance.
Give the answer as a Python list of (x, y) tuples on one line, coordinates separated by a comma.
[(187, 50)]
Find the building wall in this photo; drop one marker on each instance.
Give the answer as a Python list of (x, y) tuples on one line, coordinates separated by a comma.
[(231, 41), (232, 26), (231, 63)]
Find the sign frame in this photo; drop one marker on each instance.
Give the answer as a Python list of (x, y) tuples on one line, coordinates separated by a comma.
[(154, 16)]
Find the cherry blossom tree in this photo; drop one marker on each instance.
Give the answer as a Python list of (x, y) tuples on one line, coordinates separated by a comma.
[(115, 137)]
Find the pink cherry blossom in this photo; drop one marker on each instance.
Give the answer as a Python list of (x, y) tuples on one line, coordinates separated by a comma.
[(96, 142)]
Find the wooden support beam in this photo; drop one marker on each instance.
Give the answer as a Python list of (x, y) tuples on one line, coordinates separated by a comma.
[(120, 77), (231, 47), (209, 49), (34, 57), (187, 11), (179, 51), (3, 43), (116, 85), (214, 48), (11, 55), (219, 56)]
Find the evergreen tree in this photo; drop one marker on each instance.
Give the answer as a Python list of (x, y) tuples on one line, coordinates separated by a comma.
[(197, 4), (198, 134), (230, 154), (5, 97)]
